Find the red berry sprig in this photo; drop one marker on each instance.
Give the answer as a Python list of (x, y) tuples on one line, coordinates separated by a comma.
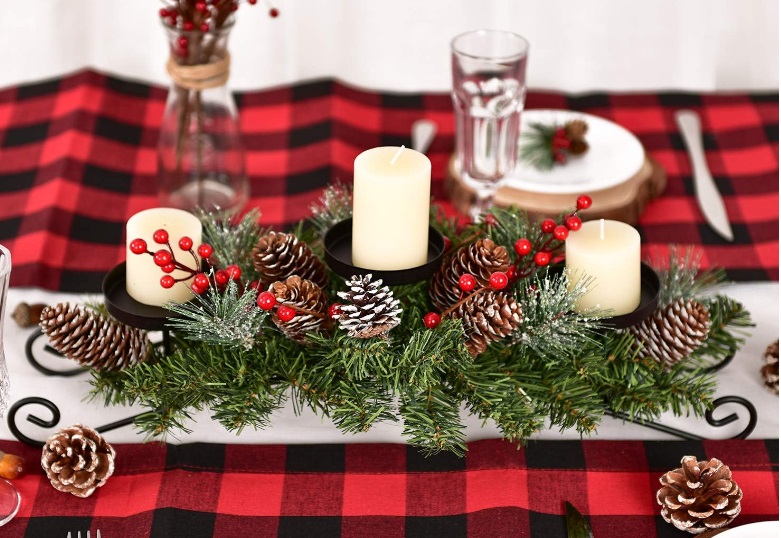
[(202, 15), (468, 284), (548, 244), (165, 258)]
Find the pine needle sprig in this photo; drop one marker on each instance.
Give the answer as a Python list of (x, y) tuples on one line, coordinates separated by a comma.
[(226, 318), (334, 205), (535, 145), (680, 275), (233, 239), (432, 421)]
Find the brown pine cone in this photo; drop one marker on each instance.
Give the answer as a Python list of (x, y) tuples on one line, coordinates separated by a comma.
[(310, 303), (576, 130), (93, 340), (487, 317), (77, 460), (479, 259), (770, 369), (671, 333), (699, 496), (279, 255), (578, 147), (370, 309)]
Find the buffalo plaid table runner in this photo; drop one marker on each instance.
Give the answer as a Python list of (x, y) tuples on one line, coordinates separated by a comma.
[(77, 159), (384, 490)]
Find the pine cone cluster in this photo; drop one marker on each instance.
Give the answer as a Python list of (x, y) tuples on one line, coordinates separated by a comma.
[(279, 255), (576, 132), (770, 368), (310, 303), (77, 460), (93, 340), (487, 317), (673, 331), (479, 259), (699, 495), (370, 310)]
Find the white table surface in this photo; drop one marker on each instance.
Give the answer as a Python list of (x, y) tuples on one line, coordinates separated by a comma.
[(741, 378)]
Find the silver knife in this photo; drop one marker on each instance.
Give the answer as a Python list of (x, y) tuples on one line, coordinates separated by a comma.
[(708, 195)]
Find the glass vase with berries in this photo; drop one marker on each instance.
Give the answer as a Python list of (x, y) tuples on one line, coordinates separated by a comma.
[(200, 152)]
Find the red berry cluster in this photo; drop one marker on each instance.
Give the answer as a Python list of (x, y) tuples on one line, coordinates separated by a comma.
[(200, 16), (166, 260), (268, 301), (560, 143), (548, 243), (530, 256)]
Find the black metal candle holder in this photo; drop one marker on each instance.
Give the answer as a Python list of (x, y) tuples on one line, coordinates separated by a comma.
[(339, 256)]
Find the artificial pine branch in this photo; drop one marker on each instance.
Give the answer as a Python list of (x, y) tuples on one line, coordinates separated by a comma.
[(536, 149), (335, 205), (232, 239), (680, 275)]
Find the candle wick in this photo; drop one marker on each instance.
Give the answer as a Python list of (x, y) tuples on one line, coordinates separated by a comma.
[(602, 229), (393, 160)]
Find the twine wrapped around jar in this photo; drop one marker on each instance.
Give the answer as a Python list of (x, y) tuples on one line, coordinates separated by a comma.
[(200, 76)]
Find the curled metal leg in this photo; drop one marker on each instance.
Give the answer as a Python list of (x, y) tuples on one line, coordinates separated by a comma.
[(715, 422), (29, 351), (51, 423)]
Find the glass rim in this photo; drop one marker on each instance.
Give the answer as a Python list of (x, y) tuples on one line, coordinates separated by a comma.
[(522, 53), (5, 261)]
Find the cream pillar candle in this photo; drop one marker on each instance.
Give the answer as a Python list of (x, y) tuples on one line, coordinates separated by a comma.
[(608, 252), (142, 275), (391, 196)]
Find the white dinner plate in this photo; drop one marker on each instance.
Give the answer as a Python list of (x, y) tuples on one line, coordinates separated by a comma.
[(614, 156), (763, 529)]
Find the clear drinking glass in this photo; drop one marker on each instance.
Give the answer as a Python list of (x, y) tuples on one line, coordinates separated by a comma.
[(489, 90), (9, 497)]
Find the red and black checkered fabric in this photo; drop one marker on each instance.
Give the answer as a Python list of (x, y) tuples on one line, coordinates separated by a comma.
[(77, 159), (385, 490)]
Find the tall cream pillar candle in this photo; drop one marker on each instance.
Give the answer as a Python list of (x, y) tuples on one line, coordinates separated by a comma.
[(391, 196), (142, 276), (607, 252)]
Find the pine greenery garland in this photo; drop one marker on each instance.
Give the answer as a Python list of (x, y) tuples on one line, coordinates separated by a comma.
[(559, 369)]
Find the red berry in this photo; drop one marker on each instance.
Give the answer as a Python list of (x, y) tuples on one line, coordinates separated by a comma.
[(138, 246), (542, 258), (197, 290), (584, 202), (574, 223), (467, 282), (560, 157), (523, 247), (182, 42), (162, 257), (163, 12), (432, 319), (167, 281), (490, 220), (499, 280), (273, 13), (200, 6), (560, 232), (201, 280), (511, 272), (334, 310), (266, 300), (285, 313), (221, 277), (205, 27), (168, 268), (205, 250), (160, 236), (172, 18), (548, 225), (234, 7), (185, 243), (253, 285), (447, 242), (188, 26), (561, 132), (252, 2), (560, 142), (233, 271)]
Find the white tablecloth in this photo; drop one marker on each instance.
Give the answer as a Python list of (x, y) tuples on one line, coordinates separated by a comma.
[(740, 378)]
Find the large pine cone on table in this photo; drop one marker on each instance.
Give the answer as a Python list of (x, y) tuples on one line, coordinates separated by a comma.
[(370, 309), (77, 460), (279, 255), (92, 339), (479, 259), (487, 317), (310, 303), (770, 368), (673, 332), (699, 495)]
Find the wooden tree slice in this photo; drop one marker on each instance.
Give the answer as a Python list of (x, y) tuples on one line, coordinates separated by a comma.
[(625, 201)]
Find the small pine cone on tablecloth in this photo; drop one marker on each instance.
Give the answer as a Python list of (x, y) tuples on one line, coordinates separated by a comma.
[(93, 340), (479, 259), (770, 369), (279, 255), (370, 309), (699, 495), (77, 460), (487, 317), (310, 303), (674, 331)]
